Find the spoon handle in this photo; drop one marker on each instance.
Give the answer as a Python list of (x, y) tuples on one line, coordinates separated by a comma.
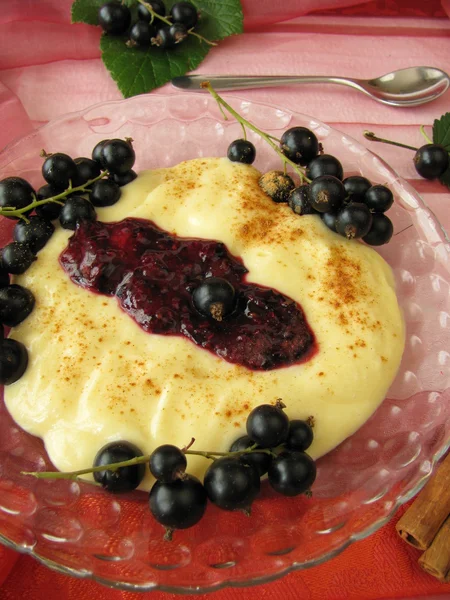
[(239, 82)]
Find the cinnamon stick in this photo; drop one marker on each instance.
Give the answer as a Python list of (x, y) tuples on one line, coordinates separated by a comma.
[(436, 560), (421, 522)]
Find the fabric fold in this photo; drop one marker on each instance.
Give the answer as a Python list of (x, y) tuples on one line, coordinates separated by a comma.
[(8, 559)]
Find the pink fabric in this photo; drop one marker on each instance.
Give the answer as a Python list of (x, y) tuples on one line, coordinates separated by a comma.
[(256, 12), (48, 89), (262, 12)]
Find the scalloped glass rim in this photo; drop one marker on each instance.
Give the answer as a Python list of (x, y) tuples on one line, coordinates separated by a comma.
[(181, 110)]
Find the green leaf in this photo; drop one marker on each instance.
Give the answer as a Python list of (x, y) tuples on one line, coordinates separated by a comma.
[(441, 135), (441, 131), (218, 18), (137, 71), (86, 11)]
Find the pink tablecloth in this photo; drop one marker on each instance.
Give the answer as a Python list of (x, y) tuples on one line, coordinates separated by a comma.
[(49, 67)]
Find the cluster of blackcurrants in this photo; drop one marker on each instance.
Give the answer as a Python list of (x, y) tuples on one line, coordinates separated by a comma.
[(149, 30), (112, 158), (352, 207), (273, 445)]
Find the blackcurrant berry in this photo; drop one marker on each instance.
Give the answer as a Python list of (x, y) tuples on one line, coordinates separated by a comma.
[(75, 210), (16, 303), (179, 32), (300, 436), (16, 193), (185, 13), (142, 33), (431, 161), (179, 504), (214, 298), (167, 463), (381, 230), (104, 192), (292, 473), (267, 426), (118, 156), (50, 210), (260, 461), (16, 258), (378, 198), (241, 151), (169, 36), (231, 484), (123, 479), (4, 277), (35, 233), (13, 361), (354, 221), (329, 218), (125, 178), (87, 169), (277, 185), (326, 193), (325, 164), (97, 153), (356, 187), (59, 169), (157, 6), (299, 144), (114, 18), (299, 201)]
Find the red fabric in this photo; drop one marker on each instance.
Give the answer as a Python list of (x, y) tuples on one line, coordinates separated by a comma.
[(382, 566), (393, 8)]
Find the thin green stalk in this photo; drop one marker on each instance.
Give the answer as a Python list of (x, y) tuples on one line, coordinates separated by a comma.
[(268, 138), (153, 14), (424, 133), (10, 211), (201, 38), (169, 22), (369, 135), (75, 475)]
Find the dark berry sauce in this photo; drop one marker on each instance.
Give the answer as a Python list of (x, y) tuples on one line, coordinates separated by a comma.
[(153, 274)]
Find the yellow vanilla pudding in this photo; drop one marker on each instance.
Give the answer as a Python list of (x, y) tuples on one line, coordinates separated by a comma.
[(96, 376)]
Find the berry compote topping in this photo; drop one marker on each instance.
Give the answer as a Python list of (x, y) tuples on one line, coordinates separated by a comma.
[(153, 275)]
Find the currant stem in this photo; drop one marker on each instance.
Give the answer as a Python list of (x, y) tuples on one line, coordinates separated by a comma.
[(268, 138), (169, 22), (9, 211), (369, 135), (74, 475), (201, 38), (153, 14), (424, 133)]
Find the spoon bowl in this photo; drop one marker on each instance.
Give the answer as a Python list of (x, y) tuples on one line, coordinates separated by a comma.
[(405, 87), (408, 87)]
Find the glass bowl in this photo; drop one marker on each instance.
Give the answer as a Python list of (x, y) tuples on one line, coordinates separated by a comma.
[(81, 530)]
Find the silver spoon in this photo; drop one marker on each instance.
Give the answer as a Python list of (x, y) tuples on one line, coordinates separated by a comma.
[(405, 87)]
